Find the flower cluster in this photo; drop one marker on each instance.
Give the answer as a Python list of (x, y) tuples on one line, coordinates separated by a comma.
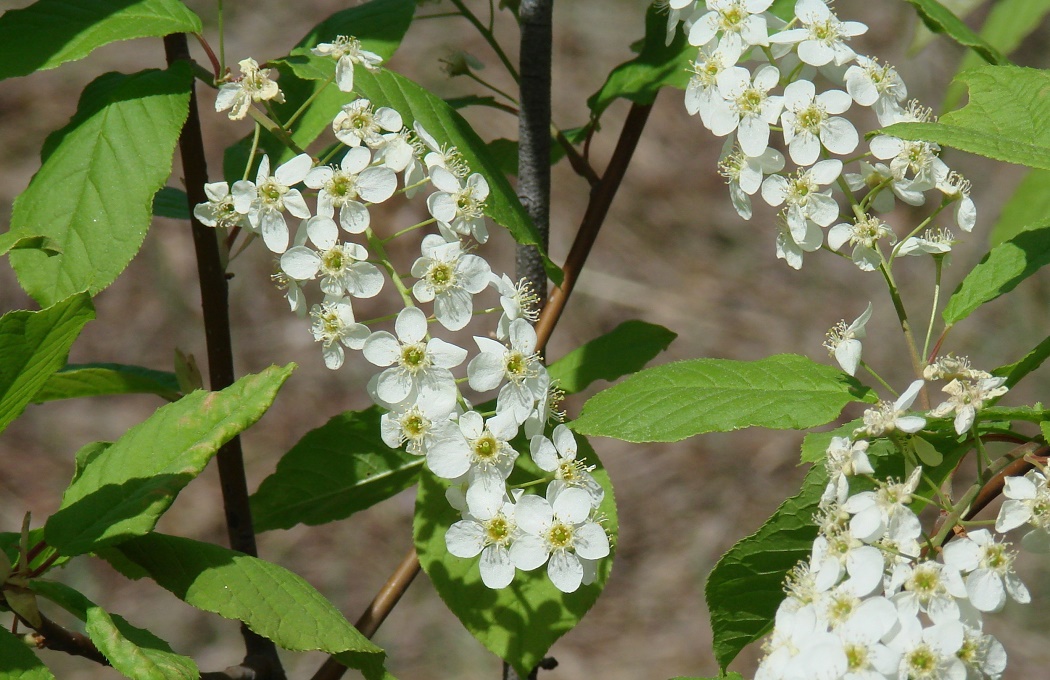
[(337, 245), (780, 94)]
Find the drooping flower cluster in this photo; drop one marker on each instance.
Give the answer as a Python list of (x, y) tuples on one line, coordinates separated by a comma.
[(338, 245), (804, 76)]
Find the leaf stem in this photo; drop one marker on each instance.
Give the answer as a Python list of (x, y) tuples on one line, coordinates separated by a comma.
[(490, 38)]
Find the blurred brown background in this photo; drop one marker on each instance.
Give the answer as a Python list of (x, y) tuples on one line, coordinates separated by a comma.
[(672, 252)]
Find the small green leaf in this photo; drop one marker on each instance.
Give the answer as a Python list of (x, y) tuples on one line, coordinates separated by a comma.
[(657, 65), (13, 240), (1031, 361), (94, 380), (334, 471), (621, 351), (1003, 119), (678, 400), (17, 660), (171, 203), (1044, 428), (123, 490), (520, 622), (34, 345), (269, 599), (94, 192), (1005, 266), (49, 33), (940, 19)]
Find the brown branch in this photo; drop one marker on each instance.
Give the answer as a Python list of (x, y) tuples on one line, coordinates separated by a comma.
[(50, 635), (261, 652)]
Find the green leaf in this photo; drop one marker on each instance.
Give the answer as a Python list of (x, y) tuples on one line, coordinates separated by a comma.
[(1005, 266), (134, 652), (334, 471), (1044, 429), (621, 351), (1009, 22), (124, 490), (940, 19), (1028, 414), (1029, 205), (678, 400), (657, 65), (171, 203), (1031, 361), (94, 192), (17, 660), (94, 380), (34, 345), (49, 33), (1005, 118), (520, 622), (269, 599), (13, 240)]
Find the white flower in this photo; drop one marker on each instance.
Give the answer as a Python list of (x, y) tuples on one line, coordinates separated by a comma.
[(792, 243), (358, 122), (254, 85), (397, 153), (409, 425), (219, 211), (334, 325), (887, 416), (877, 85), (876, 178), (481, 450), (885, 510), (546, 409), (838, 553), (823, 37), (342, 266), (518, 364), (929, 587), (967, 397), (459, 206), (422, 369), (447, 157), (863, 235), (804, 201), (1029, 503), (988, 566), (929, 653), (340, 188), (747, 105), (861, 635), (843, 342), (518, 301), (450, 278), (267, 199), (917, 161), (931, 242), (983, 655), (559, 529), (808, 122), (744, 174), (490, 535), (558, 455), (701, 94), (957, 189), (741, 23), (347, 52)]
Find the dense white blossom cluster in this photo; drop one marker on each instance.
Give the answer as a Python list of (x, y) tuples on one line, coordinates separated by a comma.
[(426, 411)]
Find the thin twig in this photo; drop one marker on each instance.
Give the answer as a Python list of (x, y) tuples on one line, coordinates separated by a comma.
[(261, 652)]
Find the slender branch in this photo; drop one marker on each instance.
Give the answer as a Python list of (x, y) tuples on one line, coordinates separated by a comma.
[(489, 37), (579, 164), (261, 652), (597, 208)]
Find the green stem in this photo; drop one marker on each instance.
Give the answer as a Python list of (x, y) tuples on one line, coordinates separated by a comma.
[(933, 311), (377, 245), (251, 153), (274, 129), (489, 37), (922, 225), (878, 377), (953, 517), (407, 230), (478, 79), (309, 100), (902, 316)]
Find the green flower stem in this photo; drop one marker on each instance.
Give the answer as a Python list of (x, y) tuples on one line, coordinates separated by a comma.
[(902, 316), (377, 244), (865, 202), (274, 129), (984, 464), (407, 230), (955, 516), (938, 262), (869, 369), (490, 38), (251, 153), (922, 225), (487, 85), (309, 100)]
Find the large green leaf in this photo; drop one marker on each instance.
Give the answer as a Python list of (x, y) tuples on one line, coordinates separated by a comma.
[(1028, 205), (51, 32), (657, 65), (269, 599), (678, 400), (34, 345), (1009, 22), (1005, 266), (1028, 363), (93, 195), (124, 489), (332, 472), (94, 380), (623, 350), (17, 661), (1005, 119), (134, 652), (520, 622), (940, 19)]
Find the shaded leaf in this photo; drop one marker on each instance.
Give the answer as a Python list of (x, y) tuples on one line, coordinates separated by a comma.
[(13, 240), (93, 194), (940, 19), (124, 489), (1006, 117), (621, 351), (171, 203), (17, 660), (681, 399), (1031, 361), (49, 33), (334, 471), (94, 380), (10, 542), (34, 345), (520, 622), (998, 272)]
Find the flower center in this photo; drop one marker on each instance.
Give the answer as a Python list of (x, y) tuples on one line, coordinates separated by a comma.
[(441, 276), (498, 530), (414, 357), (559, 536), (271, 194), (334, 261), (342, 187), (750, 101), (812, 118)]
